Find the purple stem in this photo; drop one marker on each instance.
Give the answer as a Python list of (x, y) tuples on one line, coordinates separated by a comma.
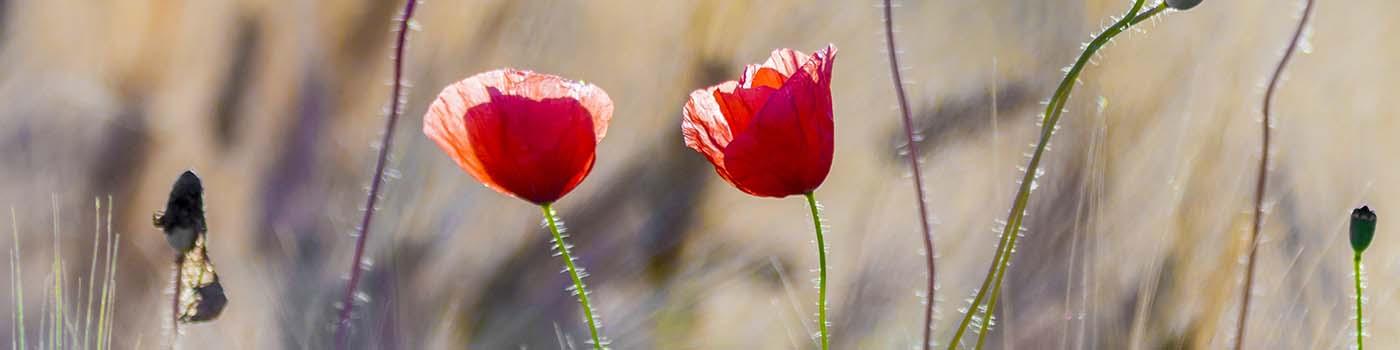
[(1264, 173), (342, 334), (914, 166)]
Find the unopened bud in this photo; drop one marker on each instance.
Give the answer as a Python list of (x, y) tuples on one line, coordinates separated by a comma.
[(1183, 5), (1363, 228)]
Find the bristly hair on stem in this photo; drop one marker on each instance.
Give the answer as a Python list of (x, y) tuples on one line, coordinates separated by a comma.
[(913, 153), (825, 333), (576, 275), (342, 324), (1360, 300), (1263, 176), (1007, 242)]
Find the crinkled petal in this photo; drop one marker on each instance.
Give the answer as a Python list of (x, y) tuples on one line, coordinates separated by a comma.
[(788, 147), (704, 126), (785, 61), (771, 132), (538, 86)]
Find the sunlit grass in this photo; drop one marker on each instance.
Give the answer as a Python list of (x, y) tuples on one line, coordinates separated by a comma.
[(57, 330)]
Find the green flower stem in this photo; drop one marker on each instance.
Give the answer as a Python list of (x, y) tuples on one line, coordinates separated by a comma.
[(821, 263), (1146, 15), (1356, 267), (579, 288), (1007, 243)]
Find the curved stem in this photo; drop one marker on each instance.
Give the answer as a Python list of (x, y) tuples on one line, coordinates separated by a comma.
[(1002, 258), (347, 301), (1356, 267), (913, 153), (1132, 18), (821, 265), (579, 288), (1146, 15), (1263, 175)]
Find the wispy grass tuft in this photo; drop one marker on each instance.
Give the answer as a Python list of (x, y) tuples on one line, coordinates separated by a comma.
[(17, 288), (1262, 179), (56, 329), (56, 318), (92, 270)]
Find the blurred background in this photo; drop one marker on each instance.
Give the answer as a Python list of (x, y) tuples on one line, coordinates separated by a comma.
[(1135, 236)]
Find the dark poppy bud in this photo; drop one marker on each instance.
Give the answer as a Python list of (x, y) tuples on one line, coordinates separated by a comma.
[(1363, 228), (1183, 5)]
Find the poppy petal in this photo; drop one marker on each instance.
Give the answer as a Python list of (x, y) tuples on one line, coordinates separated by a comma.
[(521, 133), (705, 127), (788, 147), (769, 133), (785, 61), (536, 150)]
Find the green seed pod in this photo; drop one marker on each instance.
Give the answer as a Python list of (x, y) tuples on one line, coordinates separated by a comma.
[(1363, 228), (1183, 5)]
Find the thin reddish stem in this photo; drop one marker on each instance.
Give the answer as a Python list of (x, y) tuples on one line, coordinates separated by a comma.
[(347, 302), (1263, 175), (913, 153)]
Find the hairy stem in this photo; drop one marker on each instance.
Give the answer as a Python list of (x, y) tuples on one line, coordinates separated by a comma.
[(579, 288), (913, 167), (821, 268), (1006, 245), (913, 153), (1263, 176), (396, 95), (1356, 267)]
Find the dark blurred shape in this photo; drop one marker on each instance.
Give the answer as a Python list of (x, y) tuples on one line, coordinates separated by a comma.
[(674, 209), (364, 43), (239, 77), (125, 150), (289, 189), (4, 21), (967, 116), (183, 217), (291, 207)]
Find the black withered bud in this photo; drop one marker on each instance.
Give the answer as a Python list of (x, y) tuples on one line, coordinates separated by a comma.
[(1183, 5), (1363, 228), (183, 218)]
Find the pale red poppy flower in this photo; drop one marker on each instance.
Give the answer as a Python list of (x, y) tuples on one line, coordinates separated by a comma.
[(525, 134)]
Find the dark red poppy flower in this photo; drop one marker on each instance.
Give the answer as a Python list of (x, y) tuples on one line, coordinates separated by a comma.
[(524, 134), (770, 133)]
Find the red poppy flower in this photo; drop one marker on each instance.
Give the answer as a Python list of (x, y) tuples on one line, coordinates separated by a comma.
[(524, 134), (770, 133)]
